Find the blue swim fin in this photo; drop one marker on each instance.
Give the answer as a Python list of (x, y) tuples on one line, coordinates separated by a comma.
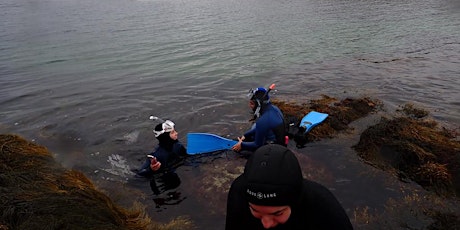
[(312, 119), (206, 142)]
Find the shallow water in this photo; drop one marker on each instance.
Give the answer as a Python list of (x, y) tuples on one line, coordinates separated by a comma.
[(83, 77)]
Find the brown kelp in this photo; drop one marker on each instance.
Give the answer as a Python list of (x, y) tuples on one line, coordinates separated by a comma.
[(341, 114), (415, 148)]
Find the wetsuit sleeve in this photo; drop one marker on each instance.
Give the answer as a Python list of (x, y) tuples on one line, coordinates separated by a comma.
[(162, 156), (261, 130), (250, 132)]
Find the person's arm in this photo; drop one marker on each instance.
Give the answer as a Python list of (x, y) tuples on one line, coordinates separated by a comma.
[(247, 135), (154, 164), (161, 156), (251, 131), (237, 146), (261, 130)]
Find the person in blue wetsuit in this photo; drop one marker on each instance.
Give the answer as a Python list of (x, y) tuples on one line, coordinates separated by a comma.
[(272, 193), (164, 159), (269, 123)]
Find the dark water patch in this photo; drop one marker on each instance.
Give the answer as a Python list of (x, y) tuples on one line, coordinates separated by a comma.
[(55, 61)]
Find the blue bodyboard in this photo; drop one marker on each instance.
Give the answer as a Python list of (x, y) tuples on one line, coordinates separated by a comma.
[(312, 119), (206, 142)]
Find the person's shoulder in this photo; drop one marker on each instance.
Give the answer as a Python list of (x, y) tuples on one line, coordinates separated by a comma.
[(271, 108), (236, 193), (178, 143), (271, 105), (317, 193), (159, 150), (179, 149), (156, 149), (238, 182), (313, 186), (318, 200), (277, 109)]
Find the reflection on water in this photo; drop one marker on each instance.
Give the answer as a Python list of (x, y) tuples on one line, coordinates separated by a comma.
[(170, 198)]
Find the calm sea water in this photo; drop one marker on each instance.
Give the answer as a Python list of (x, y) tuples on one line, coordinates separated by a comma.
[(82, 77)]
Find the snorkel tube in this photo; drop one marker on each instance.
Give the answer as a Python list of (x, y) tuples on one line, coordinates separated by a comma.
[(272, 86)]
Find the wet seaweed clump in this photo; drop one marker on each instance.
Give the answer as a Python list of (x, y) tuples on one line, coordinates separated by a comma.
[(415, 148), (36, 191), (341, 114), (415, 210)]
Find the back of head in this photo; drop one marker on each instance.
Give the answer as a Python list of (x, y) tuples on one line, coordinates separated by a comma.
[(273, 177), (259, 94)]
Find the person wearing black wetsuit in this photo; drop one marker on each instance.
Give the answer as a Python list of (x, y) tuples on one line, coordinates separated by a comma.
[(272, 193), (164, 159), (269, 123)]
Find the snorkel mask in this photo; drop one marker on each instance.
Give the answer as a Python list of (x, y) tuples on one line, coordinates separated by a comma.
[(260, 97), (166, 127)]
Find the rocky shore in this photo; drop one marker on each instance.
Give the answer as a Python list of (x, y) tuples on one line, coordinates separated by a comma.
[(36, 191)]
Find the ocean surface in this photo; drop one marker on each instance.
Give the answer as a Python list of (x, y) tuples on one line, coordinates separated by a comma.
[(82, 77)]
